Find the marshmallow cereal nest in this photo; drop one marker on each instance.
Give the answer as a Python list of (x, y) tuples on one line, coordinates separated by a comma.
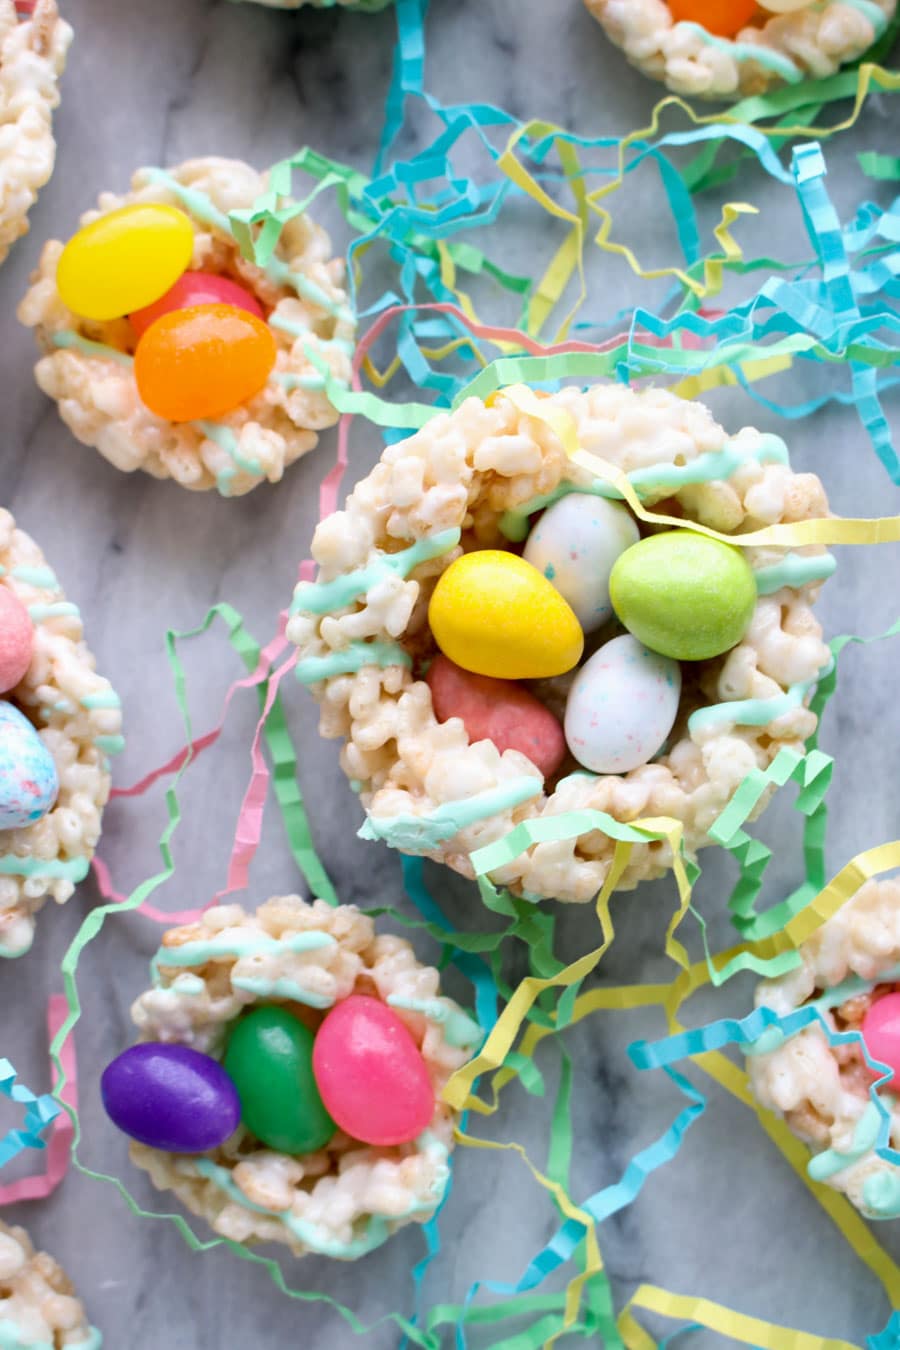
[(38, 1306), (87, 365), (32, 59), (476, 479), (768, 45), (848, 966), (344, 1198), (76, 717)]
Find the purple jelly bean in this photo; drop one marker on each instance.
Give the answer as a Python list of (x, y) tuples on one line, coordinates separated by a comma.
[(171, 1097)]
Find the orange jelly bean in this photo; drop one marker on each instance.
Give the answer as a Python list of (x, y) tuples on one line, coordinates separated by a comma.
[(203, 361), (723, 18)]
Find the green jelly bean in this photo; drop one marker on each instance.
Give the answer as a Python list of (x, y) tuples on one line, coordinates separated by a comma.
[(269, 1059)]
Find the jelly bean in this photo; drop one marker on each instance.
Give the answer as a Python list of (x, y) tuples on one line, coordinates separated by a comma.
[(494, 614), (16, 640), (170, 1097), (29, 783), (881, 1033), (196, 288), (684, 595), (203, 362), (371, 1074), (500, 711), (269, 1058), (575, 543), (724, 18), (124, 260), (622, 706)]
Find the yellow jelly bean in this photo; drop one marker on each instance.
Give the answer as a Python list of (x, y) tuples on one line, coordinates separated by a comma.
[(124, 260), (493, 613)]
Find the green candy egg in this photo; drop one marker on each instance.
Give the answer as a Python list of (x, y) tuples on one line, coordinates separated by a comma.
[(684, 595), (269, 1059)]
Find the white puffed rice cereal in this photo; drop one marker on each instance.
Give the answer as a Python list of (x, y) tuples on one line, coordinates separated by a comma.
[(87, 365), (32, 59), (417, 777), (811, 41), (38, 1306), (78, 717), (346, 1198), (822, 1091)]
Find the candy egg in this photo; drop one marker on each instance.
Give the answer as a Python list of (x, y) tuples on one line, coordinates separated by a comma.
[(371, 1074), (493, 613), (203, 361), (622, 706), (269, 1058), (29, 783), (575, 543), (684, 595), (724, 18), (124, 260), (196, 288), (16, 640), (881, 1033), (170, 1097), (500, 711)]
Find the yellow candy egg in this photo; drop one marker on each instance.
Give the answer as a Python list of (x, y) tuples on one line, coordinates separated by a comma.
[(493, 613), (124, 260)]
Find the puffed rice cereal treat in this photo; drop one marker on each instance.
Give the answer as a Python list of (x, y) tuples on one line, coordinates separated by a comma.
[(728, 49), (849, 966), (220, 986), (298, 315), (38, 1306), (678, 739), (33, 52), (60, 722)]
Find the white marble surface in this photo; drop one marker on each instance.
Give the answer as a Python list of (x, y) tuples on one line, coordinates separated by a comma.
[(160, 82)]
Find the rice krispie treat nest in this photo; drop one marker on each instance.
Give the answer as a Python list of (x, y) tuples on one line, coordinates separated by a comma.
[(32, 59), (469, 480), (773, 49), (822, 1091), (347, 1198), (87, 366), (78, 718), (38, 1306)]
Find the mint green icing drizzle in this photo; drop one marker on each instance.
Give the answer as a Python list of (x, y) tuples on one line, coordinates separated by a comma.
[(66, 869), (321, 597), (60, 609), (12, 1338), (280, 988), (865, 1136), (413, 834), (754, 712), (238, 945), (350, 659), (715, 466), (459, 1028), (750, 51), (68, 338), (377, 1228), (881, 1194), (103, 698), (793, 571), (43, 578)]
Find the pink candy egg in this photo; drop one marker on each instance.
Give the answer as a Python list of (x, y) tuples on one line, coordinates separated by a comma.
[(196, 288), (16, 640), (881, 1033), (370, 1074), (500, 711)]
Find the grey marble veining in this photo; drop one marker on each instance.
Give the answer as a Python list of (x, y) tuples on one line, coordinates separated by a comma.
[(161, 82)]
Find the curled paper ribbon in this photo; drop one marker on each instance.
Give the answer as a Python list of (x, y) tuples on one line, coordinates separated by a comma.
[(39, 1114)]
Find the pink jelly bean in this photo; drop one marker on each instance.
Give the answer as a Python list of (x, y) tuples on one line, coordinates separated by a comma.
[(196, 288), (16, 640), (370, 1073), (501, 711), (881, 1033)]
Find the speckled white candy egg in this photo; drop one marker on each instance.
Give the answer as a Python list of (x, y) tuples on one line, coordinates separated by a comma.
[(622, 706), (29, 784), (575, 543)]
